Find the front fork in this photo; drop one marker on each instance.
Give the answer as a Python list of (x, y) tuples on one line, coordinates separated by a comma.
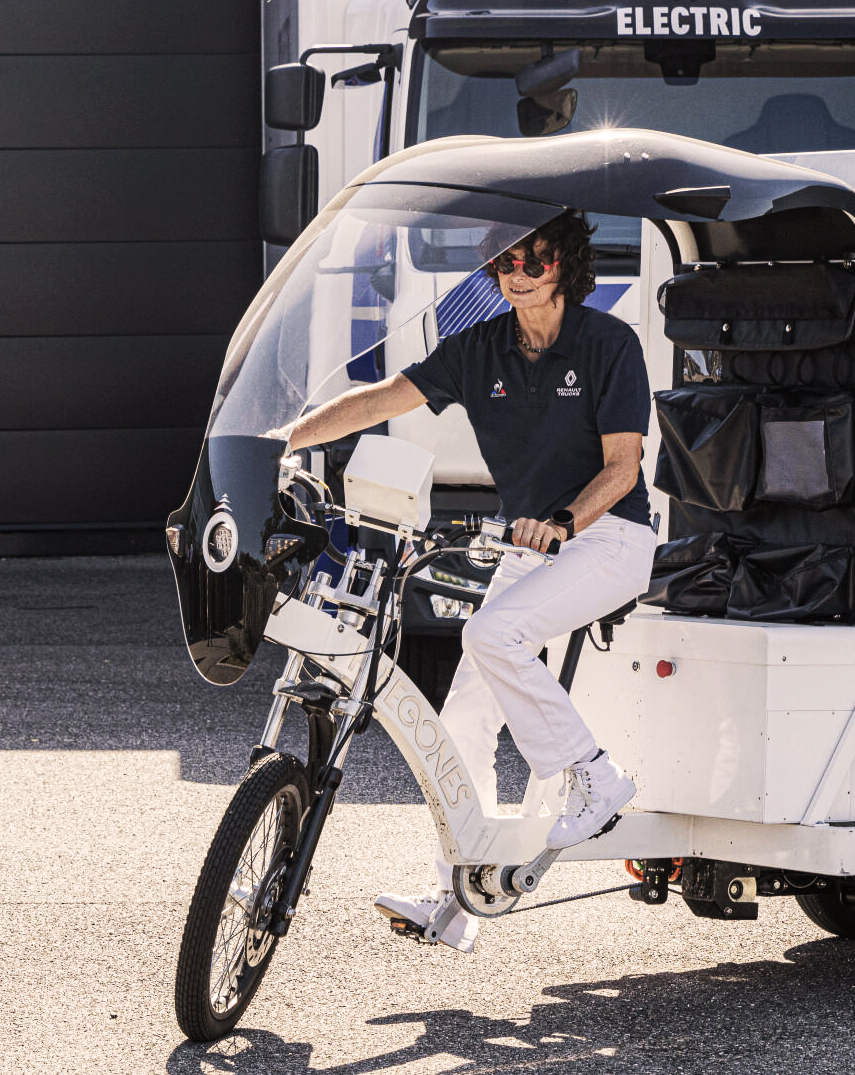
[(349, 716)]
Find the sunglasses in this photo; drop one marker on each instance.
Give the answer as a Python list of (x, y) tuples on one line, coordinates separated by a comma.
[(532, 267)]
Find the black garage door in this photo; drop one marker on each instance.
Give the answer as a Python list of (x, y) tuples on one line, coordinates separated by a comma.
[(130, 137)]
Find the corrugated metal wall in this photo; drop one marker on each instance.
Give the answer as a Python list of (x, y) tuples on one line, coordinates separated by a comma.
[(130, 140)]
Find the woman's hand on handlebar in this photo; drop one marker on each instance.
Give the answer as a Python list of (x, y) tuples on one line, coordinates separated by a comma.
[(281, 432), (540, 536)]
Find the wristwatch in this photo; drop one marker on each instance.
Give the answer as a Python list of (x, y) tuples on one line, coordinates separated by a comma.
[(564, 517)]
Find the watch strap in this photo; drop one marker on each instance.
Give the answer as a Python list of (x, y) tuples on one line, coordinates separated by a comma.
[(564, 518)]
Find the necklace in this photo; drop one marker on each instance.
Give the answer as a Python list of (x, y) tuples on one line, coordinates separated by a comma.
[(528, 347)]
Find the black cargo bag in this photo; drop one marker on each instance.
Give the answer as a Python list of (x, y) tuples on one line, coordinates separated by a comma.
[(709, 454), (760, 307), (808, 457), (693, 575), (808, 582)]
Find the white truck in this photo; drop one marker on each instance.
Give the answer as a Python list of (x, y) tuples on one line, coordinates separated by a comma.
[(770, 80)]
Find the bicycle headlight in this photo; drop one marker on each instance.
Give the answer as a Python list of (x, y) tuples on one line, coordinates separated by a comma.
[(220, 541)]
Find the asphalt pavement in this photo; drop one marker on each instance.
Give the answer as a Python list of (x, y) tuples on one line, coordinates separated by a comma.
[(116, 763)]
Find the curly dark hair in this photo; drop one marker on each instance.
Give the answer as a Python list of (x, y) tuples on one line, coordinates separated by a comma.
[(567, 239)]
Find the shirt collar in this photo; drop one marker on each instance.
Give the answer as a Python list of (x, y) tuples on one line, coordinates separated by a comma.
[(565, 345)]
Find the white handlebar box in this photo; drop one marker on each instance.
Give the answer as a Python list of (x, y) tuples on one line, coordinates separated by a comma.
[(389, 480)]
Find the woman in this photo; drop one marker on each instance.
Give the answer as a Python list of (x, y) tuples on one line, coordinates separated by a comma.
[(558, 397)]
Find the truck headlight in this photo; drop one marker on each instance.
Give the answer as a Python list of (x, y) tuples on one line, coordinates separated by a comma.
[(450, 608)]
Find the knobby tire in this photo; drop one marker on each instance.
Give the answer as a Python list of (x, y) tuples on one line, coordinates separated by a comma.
[(225, 950)]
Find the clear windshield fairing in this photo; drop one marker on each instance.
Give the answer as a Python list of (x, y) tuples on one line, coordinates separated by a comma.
[(377, 268)]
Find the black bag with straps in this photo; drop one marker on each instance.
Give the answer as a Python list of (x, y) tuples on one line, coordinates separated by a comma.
[(760, 307)]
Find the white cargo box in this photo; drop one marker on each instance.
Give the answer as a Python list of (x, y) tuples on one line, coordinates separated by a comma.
[(389, 480), (747, 726)]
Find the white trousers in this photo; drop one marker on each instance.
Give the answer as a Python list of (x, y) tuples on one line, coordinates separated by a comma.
[(500, 679)]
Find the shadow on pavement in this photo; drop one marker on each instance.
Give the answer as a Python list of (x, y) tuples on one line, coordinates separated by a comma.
[(95, 660), (246, 1052), (763, 1014)]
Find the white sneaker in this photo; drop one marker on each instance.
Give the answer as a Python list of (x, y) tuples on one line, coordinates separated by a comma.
[(595, 791), (459, 933)]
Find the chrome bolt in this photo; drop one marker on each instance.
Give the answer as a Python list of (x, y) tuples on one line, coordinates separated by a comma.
[(728, 910)]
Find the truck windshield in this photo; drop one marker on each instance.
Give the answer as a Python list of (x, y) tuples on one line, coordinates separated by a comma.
[(779, 97)]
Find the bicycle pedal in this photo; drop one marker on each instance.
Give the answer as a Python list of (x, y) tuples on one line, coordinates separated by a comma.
[(609, 825), (403, 927)]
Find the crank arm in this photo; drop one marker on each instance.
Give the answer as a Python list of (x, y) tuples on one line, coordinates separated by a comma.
[(526, 878)]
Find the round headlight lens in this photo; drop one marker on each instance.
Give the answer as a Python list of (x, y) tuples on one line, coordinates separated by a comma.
[(220, 541)]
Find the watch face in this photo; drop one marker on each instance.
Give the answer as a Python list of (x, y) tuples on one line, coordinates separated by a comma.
[(564, 518)]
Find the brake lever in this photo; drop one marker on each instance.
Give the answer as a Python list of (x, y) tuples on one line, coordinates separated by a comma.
[(289, 468), (522, 550), (291, 471)]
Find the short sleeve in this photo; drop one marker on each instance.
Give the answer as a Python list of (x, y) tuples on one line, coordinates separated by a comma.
[(624, 405), (439, 376)]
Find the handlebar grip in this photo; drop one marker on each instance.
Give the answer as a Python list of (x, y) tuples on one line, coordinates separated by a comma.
[(552, 549)]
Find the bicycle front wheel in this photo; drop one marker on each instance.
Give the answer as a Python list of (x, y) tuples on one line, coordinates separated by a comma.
[(227, 946)]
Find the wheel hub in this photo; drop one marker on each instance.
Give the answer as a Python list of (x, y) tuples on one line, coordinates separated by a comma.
[(258, 936)]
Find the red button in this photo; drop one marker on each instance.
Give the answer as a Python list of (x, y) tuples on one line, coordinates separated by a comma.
[(665, 669)]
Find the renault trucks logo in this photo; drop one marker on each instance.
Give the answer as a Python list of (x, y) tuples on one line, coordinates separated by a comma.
[(498, 390), (570, 381), (698, 21)]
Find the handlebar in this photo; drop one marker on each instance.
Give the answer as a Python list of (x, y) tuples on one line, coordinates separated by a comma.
[(497, 535), (490, 534)]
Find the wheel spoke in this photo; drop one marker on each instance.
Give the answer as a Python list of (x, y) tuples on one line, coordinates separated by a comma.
[(228, 965), (229, 955)]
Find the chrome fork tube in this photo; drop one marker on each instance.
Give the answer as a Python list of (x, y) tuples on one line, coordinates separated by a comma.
[(276, 715), (290, 675), (350, 709)]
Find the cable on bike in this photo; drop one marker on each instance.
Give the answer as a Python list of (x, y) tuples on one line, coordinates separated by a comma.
[(602, 649)]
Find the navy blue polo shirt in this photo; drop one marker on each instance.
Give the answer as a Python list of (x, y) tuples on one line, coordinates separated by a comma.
[(539, 424)]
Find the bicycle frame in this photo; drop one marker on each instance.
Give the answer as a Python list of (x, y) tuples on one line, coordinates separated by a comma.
[(469, 837)]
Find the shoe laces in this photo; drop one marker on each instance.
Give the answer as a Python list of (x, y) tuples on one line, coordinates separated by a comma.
[(578, 792)]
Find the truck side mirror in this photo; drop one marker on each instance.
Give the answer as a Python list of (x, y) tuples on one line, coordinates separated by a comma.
[(293, 97), (289, 192)]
